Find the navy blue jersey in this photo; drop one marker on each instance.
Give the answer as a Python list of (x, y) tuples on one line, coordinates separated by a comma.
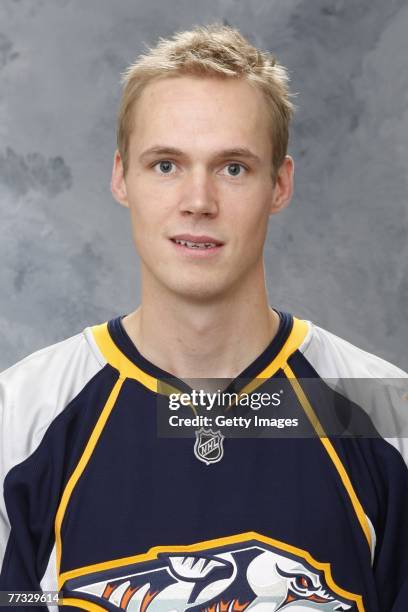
[(97, 505)]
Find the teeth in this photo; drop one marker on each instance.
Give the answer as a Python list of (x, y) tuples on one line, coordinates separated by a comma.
[(195, 245)]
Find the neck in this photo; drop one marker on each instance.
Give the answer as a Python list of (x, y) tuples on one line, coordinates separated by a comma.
[(203, 340)]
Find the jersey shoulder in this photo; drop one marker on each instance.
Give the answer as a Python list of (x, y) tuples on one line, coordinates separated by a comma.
[(377, 386), (333, 356), (37, 388)]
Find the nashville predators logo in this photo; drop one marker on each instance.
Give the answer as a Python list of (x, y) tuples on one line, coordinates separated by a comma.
[(247, 575)]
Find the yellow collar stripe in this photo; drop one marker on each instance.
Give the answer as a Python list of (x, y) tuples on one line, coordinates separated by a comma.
[(127, 369), (118, 360), (294, 340)]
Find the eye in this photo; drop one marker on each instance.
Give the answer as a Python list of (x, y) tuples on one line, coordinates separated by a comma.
[(235, 169), (164, 166), (303, 582), (299, 584)]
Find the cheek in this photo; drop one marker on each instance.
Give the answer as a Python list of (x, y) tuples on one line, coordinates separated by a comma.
[(143, 222), (249, 221), (147, 210)]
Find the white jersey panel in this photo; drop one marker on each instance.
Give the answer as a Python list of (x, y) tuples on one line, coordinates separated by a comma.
[(338, 362), (32, 394)]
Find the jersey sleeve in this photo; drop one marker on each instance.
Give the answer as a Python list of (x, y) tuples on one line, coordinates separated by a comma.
[(25, 529), (34, 396), (390, 565), (380, 389), (377, 386)]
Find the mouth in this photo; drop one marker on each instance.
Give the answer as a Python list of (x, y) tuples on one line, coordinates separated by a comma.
[(189, 243)]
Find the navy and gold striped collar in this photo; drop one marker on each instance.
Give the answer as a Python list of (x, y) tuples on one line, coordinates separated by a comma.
[(121, 353)]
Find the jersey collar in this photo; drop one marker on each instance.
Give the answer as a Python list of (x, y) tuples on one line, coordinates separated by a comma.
[(121, 353)]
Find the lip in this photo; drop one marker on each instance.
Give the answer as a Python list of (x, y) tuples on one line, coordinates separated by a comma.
[(199, 239), (199, 253)]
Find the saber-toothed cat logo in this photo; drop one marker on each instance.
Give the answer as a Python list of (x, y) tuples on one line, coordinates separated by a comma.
[(233, 574)]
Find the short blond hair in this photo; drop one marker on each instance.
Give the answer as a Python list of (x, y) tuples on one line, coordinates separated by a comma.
[(214, 50)]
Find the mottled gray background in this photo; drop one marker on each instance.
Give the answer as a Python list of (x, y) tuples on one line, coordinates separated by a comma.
[(337, 255)]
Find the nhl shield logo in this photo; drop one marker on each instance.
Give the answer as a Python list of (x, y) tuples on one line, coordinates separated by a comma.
[(208, 446)]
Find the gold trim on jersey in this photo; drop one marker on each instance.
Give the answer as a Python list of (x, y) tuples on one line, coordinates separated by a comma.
[(127, 369), (82, 604), (312, 416), (118, 360), (206, 546), (296, 337), (89, 448)]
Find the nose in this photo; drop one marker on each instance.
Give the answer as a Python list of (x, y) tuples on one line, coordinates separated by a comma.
[(198, 195)]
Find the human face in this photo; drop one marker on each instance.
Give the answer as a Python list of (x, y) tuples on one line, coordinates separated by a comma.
[(200, 166)]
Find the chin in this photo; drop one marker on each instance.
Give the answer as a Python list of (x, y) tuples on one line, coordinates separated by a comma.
[(199, 291)]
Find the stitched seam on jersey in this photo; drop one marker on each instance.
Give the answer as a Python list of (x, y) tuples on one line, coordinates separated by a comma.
[(82, 464), (310, 413)]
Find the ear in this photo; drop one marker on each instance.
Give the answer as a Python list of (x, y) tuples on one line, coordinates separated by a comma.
[(283, 189), (118, 184)]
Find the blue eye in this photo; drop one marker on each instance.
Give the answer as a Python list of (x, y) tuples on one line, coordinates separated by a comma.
[(165, 166), (235, 169)]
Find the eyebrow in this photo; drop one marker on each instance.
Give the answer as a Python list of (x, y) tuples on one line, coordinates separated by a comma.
[(236, 152)]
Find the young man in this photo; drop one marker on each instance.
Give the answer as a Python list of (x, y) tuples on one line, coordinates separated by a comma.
[(99, 506)]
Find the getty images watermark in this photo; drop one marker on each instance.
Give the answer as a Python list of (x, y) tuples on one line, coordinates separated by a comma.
[(243, 413), (210, 401), (280, 407)]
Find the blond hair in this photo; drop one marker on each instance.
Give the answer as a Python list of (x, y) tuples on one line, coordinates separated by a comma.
[(213, 50)]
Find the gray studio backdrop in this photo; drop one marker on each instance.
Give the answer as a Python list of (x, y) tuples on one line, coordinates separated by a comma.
[(338, 255)]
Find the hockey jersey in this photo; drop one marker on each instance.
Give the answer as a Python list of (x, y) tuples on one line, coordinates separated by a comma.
[(96, 505)]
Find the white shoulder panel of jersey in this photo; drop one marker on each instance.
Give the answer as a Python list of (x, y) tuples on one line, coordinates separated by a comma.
[(385, 398), (33, 392)]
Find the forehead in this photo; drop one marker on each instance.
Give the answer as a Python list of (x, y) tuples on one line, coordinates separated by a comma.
[(205, 112)]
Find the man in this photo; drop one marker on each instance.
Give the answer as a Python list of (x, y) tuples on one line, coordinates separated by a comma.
[(100, 506)]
